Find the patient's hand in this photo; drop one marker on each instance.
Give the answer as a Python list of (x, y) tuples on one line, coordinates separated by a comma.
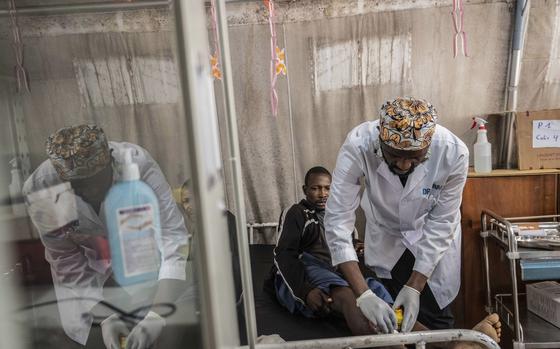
[(319, 302)]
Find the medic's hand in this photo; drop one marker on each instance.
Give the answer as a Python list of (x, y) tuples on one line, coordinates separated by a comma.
[(145, 333), (52, 208), (409, 299), (318, 301), (377, 311), (112, 328)]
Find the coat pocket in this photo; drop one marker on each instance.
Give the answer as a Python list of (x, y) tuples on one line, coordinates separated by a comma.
[(423, 205)]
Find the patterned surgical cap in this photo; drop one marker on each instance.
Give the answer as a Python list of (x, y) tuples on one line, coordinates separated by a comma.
[(78, 152), (407, 123)]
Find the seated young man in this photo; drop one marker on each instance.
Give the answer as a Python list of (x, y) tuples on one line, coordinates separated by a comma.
[(303, 278)]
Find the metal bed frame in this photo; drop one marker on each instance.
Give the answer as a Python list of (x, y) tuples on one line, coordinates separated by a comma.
[(529, 330), (420, 339), (252, 226)]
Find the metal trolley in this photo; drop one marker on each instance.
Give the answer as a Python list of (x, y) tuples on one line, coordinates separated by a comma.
[(529, 330)]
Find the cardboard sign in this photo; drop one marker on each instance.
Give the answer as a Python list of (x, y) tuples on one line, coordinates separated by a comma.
[(538, 139), (546, 133)]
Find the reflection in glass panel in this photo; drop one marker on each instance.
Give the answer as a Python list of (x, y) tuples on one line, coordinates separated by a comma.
[(92, 160)]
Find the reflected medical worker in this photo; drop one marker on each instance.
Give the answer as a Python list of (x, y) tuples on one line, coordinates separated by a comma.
[(65, 197), (414, 172)]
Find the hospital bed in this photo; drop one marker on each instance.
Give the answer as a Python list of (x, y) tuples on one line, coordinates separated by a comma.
[(330, 333)]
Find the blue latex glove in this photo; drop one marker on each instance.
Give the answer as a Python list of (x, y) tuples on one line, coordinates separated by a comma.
[(409, 299), (145, 333), (377, 311)]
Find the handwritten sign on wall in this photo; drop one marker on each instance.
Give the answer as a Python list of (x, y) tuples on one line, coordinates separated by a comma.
[(538, 139), (546, 133)]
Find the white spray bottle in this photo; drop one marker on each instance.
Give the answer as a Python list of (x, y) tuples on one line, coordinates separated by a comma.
[(482, 148)]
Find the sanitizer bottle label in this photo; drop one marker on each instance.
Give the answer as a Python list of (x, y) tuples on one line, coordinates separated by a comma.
[(138, 240)]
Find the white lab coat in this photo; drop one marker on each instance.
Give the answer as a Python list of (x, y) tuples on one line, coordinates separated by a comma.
[(423, 216), (78, 271)]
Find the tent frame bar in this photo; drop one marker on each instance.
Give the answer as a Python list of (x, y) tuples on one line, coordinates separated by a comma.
[(60, 9), (86, 7)]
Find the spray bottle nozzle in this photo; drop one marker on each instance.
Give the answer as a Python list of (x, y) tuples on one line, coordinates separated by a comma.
[(14, 163), (480, 122)]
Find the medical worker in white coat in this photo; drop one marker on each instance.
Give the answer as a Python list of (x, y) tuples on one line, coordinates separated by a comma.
[(65, 197), (414, 172)]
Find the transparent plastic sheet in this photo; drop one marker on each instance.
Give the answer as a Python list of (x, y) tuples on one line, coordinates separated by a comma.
[(113, 69)]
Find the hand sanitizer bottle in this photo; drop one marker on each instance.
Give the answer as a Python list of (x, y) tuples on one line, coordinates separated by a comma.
[(482, 148), (132, 215)]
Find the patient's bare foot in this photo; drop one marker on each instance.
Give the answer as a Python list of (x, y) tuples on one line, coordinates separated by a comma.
[(490, 326)]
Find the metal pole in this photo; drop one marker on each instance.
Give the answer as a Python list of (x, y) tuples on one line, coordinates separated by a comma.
[(262, 225), (520, 29), (512, 264), (555, 216), (241, 222), (518, 38), (291, 120), (517, 329), (87, 7), (218, 310), (486, 263), (384, 340)]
